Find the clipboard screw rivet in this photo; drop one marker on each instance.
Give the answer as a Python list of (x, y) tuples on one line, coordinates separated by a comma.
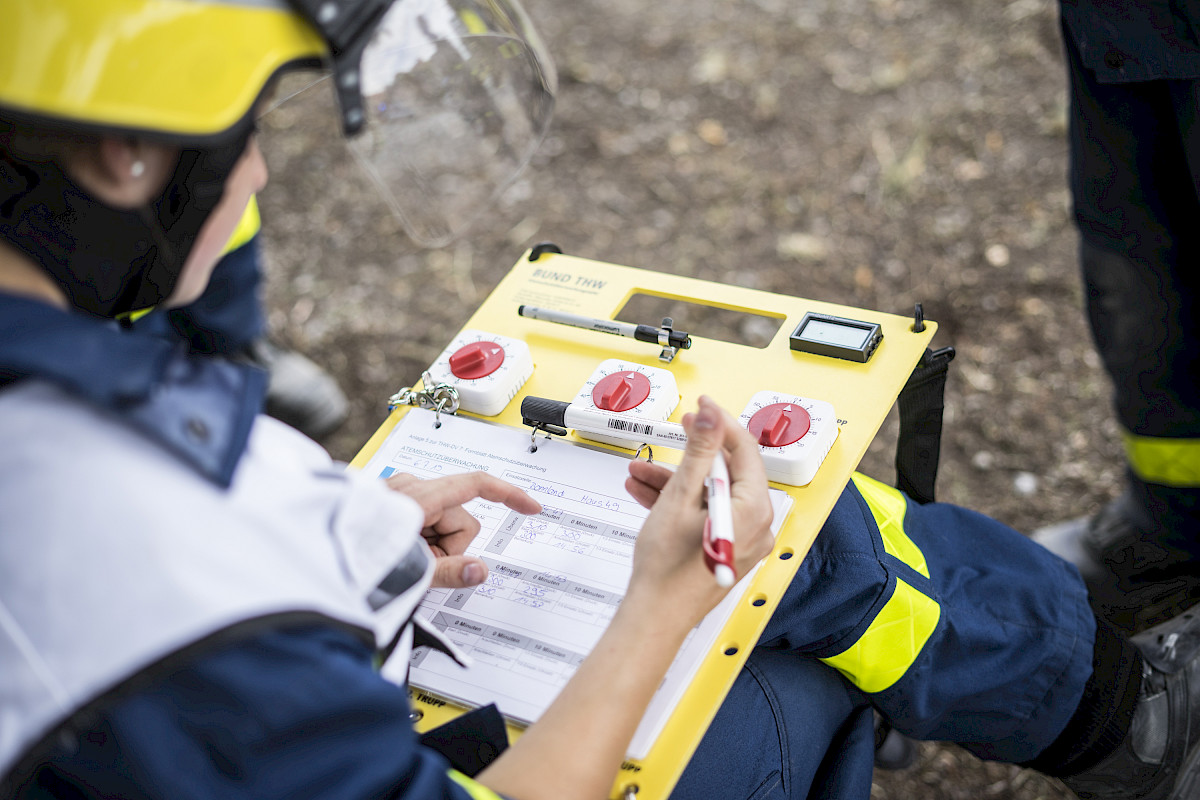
[(630, 791)]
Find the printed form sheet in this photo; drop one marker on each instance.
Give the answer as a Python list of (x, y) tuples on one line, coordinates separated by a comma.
[(555, 579)]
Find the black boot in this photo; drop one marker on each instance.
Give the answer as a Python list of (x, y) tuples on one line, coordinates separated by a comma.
[(1133, 579), (893, 750), (299, 392), (1159, 758)]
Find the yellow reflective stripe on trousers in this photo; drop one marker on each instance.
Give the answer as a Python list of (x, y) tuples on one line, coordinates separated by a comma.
[(477, 790), (1167, 462), (887, 507), (891, 643)]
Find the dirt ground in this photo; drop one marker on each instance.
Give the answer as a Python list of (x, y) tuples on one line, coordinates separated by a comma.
[(874, 153)]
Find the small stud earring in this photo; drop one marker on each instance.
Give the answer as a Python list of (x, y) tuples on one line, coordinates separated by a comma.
[(137, 169)]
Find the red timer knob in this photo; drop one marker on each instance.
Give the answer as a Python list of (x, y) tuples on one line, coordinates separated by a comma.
[(779, 424), (476, 360), (621, 391)]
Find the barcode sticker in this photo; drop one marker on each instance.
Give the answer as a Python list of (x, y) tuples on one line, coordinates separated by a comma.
[(631, 427)]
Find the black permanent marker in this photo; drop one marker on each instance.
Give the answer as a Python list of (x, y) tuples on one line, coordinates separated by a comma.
[(643, 333)]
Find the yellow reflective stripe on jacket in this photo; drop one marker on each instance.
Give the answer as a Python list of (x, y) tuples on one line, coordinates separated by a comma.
[(477, 790), (891, 643), (134, 316), (887, 507), (1167, 462), (248, 226)]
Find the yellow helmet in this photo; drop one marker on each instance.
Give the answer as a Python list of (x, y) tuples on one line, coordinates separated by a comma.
[(186, 70), (194, 69), (441, 102)]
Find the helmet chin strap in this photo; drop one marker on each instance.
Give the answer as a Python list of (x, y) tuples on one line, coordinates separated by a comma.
[(111, 261)]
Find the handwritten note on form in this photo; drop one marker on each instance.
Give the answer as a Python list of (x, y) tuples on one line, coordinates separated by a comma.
[(555, 579)]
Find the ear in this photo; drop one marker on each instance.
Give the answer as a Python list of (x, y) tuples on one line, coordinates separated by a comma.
[(126, 172)]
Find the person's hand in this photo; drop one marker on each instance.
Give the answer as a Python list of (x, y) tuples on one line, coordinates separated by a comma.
[(449, 528), (669, 549)]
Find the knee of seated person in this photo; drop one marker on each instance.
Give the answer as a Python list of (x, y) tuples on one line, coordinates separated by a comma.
[(785, 714)]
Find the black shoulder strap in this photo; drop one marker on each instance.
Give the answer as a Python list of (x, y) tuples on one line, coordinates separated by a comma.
[(920, 441)]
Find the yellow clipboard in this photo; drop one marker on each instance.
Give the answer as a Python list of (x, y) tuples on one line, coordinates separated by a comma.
[(565, 357)]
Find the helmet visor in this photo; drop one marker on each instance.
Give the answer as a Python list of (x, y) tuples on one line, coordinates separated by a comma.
[(457, 96)]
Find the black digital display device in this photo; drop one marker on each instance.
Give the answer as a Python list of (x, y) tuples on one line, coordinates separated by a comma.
[(836, 337)]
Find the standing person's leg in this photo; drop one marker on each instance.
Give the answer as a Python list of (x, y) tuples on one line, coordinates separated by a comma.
[(1135, 168)]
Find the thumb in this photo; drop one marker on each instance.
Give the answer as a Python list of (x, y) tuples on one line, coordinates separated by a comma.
[(705, 431), (454, 572)]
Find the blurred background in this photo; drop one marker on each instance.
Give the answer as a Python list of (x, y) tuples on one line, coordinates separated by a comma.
[(874, 153)]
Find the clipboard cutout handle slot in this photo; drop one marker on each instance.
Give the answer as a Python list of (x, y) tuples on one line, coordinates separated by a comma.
[(711, 320)]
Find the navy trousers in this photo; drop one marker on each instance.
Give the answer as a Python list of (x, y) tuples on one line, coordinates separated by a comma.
[(994, 657)]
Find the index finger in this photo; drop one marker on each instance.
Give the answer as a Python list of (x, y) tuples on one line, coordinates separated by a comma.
[(438, 494)]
